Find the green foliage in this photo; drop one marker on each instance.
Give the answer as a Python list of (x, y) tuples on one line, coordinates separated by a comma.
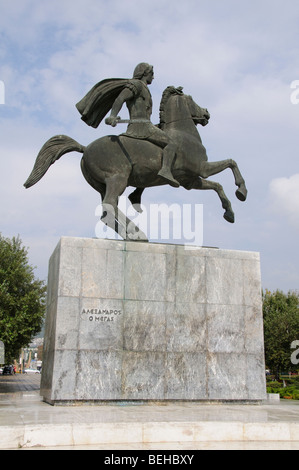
[(288, 388), (22, 298), (290, 393), (274, 386), (281, 328)]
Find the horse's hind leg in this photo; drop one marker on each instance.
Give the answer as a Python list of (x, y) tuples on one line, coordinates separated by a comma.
[(207, 184), (115, 186), (97, 185), (112, 215), (135, 198)]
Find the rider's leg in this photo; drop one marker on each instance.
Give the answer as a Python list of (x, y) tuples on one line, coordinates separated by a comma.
[(169, 152)]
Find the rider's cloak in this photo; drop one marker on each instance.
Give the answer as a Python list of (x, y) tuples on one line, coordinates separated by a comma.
[(99, 100)]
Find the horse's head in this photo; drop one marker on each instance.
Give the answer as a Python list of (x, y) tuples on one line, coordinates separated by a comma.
[(176, 106), (198, 114)]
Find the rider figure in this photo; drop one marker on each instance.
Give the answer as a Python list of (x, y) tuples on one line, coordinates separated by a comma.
[(138, 99)]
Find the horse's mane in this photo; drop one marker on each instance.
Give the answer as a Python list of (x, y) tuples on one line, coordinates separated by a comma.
[(169, 91)]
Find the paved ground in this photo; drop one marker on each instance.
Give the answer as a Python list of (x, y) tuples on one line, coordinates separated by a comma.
[(27, 422), (19, 383)]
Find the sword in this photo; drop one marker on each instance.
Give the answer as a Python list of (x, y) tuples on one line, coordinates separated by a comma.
[(127, 121)]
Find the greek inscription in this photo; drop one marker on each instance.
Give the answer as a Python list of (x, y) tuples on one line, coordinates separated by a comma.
[(98, 315)]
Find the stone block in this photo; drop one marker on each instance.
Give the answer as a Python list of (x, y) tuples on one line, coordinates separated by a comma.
[(144, 321)]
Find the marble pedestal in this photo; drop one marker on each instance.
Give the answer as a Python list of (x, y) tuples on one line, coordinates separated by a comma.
[(143, 321)]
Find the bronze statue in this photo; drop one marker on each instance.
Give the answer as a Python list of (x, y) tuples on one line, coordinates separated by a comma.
[(145, 155), (135, 93)]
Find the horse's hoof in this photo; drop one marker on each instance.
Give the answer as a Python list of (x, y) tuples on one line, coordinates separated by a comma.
[(135, 203), (136, 235), (229, 216), (137, 208), (241, 193)]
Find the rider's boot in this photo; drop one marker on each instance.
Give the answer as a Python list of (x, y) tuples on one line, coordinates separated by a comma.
[(165, 172)]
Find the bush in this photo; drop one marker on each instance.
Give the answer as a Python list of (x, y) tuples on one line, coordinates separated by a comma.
[(273, 385), (290, 392), (292, 383)]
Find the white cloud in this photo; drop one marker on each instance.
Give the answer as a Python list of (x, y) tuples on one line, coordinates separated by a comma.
[(284, 197)]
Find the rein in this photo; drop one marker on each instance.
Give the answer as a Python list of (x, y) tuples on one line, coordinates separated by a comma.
[(179, 120)]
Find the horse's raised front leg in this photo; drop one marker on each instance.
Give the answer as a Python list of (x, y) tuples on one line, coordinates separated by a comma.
[(113, 216), (212, 168), (206, 184)]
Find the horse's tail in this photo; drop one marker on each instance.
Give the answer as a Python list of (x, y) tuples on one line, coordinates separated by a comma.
[(51, 151)]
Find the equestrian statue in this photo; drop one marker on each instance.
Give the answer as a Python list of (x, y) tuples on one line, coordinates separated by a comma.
[(146, 155)]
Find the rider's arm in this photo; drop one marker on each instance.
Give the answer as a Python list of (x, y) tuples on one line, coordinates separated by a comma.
[(124, 96)]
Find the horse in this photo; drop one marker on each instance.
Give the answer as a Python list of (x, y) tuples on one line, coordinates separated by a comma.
[(112, 163)]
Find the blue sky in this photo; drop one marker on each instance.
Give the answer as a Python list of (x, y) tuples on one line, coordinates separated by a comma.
[(236, 58)]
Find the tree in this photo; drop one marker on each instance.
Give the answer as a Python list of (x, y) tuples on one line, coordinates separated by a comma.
[(281, 328), (22, 298)]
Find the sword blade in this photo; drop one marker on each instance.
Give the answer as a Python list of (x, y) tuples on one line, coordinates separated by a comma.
[(132, 121)]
